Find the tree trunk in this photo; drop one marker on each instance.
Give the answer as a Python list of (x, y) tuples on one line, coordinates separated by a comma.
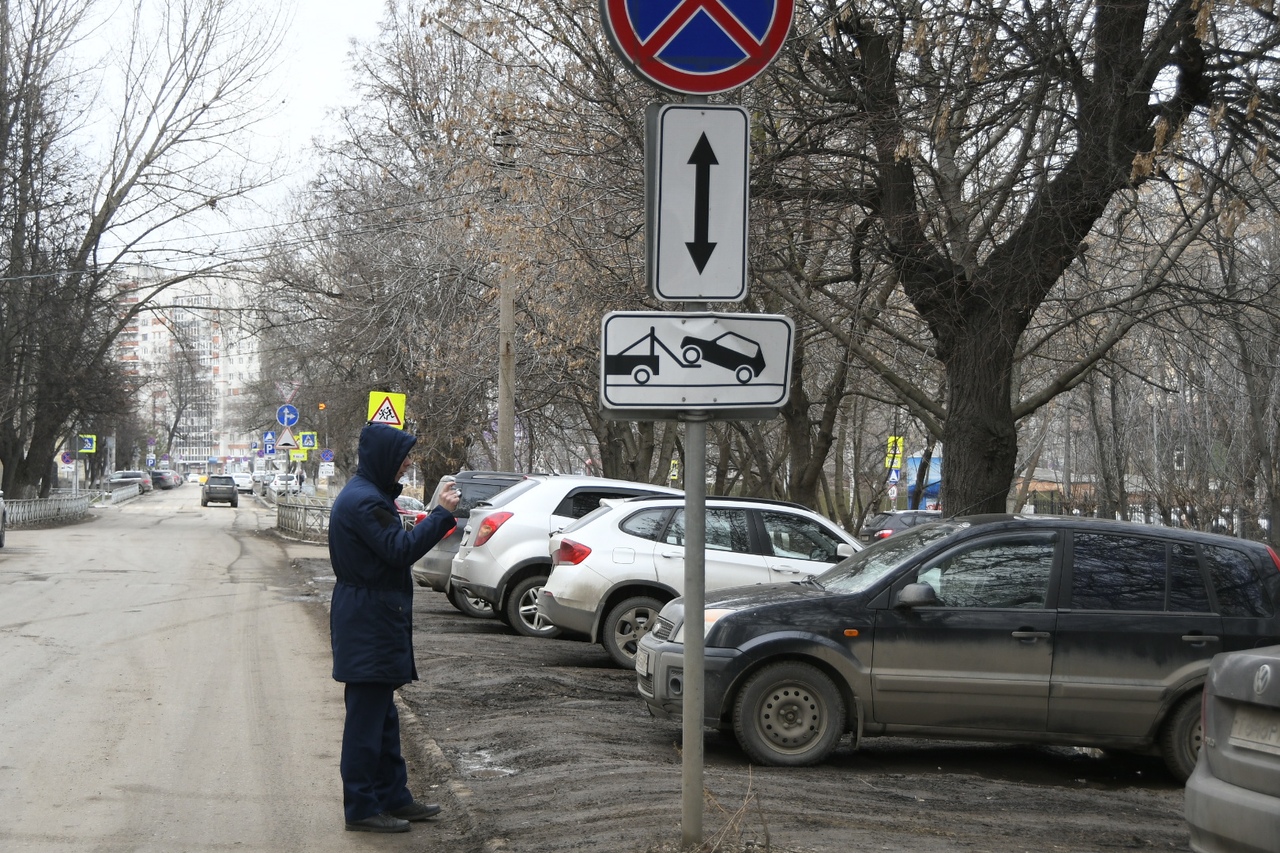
[(979, 438)]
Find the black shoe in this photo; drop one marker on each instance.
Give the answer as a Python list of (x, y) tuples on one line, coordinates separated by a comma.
[(416, 811), (378, 823)]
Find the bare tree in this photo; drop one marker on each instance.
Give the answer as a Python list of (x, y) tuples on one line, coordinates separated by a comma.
[(101, 168)]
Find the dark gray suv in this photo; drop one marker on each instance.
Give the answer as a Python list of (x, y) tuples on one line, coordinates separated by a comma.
[(433, 569), (1026, 629)]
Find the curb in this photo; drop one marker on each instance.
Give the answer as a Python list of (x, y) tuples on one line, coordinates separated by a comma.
[(428, 752)]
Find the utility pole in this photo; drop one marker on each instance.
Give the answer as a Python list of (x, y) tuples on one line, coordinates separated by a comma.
[(506, 143)]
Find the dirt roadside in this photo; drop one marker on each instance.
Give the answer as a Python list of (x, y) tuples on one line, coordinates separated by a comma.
[(542, 746)]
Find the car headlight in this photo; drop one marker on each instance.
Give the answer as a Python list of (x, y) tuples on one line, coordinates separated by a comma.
[(709, 618)]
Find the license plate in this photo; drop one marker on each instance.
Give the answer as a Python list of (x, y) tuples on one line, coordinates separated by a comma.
[(1256, 728), (642, 661)]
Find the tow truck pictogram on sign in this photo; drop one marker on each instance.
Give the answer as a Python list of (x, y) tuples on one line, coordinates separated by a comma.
[(694, 361)]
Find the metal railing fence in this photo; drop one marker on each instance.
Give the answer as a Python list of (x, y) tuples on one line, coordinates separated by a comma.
[(303, 517), (52, 510)]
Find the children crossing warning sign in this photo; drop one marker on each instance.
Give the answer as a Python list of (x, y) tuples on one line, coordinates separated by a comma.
[(387, 408)]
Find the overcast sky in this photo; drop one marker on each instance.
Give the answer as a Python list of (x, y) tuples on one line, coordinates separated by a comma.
[(314, 76)]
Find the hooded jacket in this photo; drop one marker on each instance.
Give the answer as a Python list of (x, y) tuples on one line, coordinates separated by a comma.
[(371, 617)]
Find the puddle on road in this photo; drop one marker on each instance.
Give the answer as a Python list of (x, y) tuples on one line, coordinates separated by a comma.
[(480, 765)]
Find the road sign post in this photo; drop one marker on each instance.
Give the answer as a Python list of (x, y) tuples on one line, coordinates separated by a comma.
[(698, 366)]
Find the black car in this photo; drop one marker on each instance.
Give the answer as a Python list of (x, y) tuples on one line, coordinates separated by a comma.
[(1027, 629), (433, 570), (219, 488), (884, 524)]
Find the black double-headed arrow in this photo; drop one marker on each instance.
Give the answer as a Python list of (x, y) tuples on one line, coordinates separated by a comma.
[(703, 158)]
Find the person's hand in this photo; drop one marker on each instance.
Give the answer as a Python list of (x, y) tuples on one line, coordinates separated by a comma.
[(449, 498)]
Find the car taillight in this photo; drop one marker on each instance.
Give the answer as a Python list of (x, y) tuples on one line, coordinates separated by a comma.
[(1274, 558), (570, 553), (490, 526), (881, 534)]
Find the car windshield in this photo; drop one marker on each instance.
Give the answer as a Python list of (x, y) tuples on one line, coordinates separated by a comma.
[(861, 571)]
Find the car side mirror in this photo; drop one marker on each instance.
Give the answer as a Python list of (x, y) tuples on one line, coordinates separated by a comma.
[(844, 549), (917, 595)]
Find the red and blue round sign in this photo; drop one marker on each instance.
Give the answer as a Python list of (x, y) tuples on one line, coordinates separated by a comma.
[(697, 47)]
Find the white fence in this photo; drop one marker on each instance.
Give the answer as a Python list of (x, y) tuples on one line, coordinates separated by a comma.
[(54, 510), (303, 517)]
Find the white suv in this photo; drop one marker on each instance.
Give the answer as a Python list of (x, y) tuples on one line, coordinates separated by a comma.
[(503, 557), (614, 569)]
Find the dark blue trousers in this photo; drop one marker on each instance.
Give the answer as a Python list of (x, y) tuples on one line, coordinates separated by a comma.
[(374, 779)]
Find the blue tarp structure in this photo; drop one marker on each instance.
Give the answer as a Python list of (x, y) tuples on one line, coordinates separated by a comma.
[(932, 486)]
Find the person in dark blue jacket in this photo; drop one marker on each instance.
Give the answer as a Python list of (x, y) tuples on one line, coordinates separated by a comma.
[(371, 627)]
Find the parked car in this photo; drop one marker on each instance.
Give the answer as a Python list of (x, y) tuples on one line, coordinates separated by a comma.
[(434, 569), (1233, 798), (614, 569), (411, 510), (884, 524), (1027, 629), (244, 481), (285, 484), (503, 557), (141, 479), (163, 479), (219, 488)]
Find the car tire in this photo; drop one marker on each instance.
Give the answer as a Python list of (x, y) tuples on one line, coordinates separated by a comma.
[(204, 502), (235, 502), (1180, 739), (522, 609), (789, 714), (626, 623), (476, 608)]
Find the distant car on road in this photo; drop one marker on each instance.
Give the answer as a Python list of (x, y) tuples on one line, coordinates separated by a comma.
[(285, 484), (730, 351), (219, 488), (141, 479), (244, 481), (162, 478)]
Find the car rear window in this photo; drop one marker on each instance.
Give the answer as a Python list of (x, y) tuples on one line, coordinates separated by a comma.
[(220, 481), (1236, 580)]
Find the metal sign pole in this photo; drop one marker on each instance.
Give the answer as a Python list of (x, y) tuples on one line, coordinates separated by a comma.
[(695, 588)]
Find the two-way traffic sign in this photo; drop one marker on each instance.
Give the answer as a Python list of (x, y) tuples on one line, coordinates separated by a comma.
[(696, 187)]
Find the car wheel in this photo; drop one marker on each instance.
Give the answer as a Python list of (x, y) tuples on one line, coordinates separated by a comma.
[(744, 375), (204, 502), (471, 606), (625, 625), (235, 503), (1180, 739), (691, 355), (522, 609), (788, 715)]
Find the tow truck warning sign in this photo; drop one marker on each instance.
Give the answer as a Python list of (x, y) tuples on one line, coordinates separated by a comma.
[(703, 361)]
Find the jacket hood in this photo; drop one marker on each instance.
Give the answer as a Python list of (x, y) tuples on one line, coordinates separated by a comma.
[(382, 449)]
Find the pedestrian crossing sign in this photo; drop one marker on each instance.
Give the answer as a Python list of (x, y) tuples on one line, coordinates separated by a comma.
[(386, 407)]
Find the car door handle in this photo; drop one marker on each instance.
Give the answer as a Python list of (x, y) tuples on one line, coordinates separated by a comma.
[(1031, 635), (671, 555), (787, 570), (1197, 639)]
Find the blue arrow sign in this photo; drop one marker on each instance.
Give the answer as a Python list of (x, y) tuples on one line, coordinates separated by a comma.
[(287, 415)]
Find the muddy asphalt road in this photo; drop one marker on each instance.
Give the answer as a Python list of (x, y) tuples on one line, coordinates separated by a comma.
[(542, 746)]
